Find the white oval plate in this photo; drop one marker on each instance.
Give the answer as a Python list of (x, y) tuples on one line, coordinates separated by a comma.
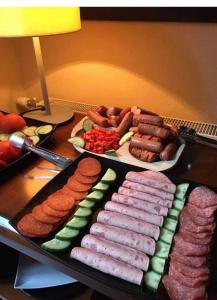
[(124, 156)]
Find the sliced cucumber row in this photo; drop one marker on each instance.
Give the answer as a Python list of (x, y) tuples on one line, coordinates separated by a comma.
[(152, 280), (181, 191)]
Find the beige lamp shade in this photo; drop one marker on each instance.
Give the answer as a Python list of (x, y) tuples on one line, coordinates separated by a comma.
[(38, 21)]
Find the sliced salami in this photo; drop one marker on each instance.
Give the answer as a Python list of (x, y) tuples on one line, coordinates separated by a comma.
[(197, 219), (42, 217), (89, 167), (203, 197), (190, 271), (191, 261), (187, 248), (76, 186)]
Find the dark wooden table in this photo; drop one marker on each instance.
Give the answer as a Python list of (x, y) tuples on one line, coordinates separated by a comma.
[(198, 163)]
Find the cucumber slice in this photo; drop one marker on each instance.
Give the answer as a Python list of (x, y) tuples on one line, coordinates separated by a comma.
[(125, 137), (173, 213), (19, 133), (181, 190), (111, 152), (77, 223), (178, 204), (158, 264), (100, 187), (170, 224), (152, 280), (35, 139), (67, 234), (166, 236), (45, 129), (162, 249), (56, 245), (29, 130), (87, 203), (95, 196), (77, 141), (109, 176), (4, 137), (87, 125), (83, 212)]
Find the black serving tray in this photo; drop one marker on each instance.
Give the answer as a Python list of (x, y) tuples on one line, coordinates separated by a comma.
[(17, 164), (108, 280)]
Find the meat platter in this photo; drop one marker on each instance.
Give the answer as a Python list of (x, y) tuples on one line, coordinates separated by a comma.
[(124, 155), (121, 170)]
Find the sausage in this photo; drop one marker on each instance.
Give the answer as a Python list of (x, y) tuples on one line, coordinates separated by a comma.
[(107, 265), (124, 111), (146, 144), (120, 252), (160, 132), (134, 212), (140, 204), (113, 111), (101, 110), (154, 179), (125, 237), (122, 221), (148, 156), (144, 196), (125, 124), (147, 119), (114, 121), (135, 151), (168, 151), (134, 129), (135, 110), (147, 189), (97, 118)]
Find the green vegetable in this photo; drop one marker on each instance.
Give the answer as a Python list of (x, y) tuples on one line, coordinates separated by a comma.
[(87, 125), (77, 141), (152, 280), (35, 139), (67, 234), (95, 196), (170, 224), (173, 213), (4, 137), (45, 129), (158, 264), (56, 245), (162, 249), (166, 236), (100, 187), (77, 223), (29, 130), (83, 212), (125, 137), (109, 176), (178, 204), (181, 191), (87, 203), (111, 152)]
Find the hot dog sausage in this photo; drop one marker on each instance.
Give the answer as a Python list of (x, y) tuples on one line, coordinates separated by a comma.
[(97, 118), (124, 111), (135, 151), (149, 145), (153, 130), (101, 110), (148, 156), (125, 124), (147, 119), (168, 152), (114, 121), (113, 111)]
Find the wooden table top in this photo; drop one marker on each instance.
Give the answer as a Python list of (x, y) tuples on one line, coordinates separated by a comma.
[(197, 163)]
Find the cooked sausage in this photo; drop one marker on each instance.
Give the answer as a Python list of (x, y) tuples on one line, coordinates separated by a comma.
[(134, 129), (122, 221), (124, 111), (135, 151), (148, 156), (113, 111), (125, 124), (114, 121), (107, 265), (147, 119), (101, 110), (160, 132), (168, 152), (97, 118), (144, 144), (120, 252)]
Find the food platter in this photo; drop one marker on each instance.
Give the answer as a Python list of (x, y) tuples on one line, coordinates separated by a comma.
[(64, 258), (124, 156), (26, 157)]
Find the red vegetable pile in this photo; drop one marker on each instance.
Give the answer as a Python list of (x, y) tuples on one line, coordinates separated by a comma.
[(99, 140)]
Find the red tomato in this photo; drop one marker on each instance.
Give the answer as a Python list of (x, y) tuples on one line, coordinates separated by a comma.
[(8, 152), (11, 122), (2, 163)]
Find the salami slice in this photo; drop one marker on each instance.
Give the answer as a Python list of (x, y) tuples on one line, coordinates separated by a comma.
[(76, 186), (53, 212), (154, 179), (130, 223), (190, 271), (120, 252), (125, 237), (203, 197), (191, 261), (29, 225), (89, 167), (144, 196), (107, 265), (197, 219), (42, 217), (76, 195), (134, 212), (187, 248), (140, 204), (60, 201), (147, 189), (207, 212), (200, 235), (177, 291), (192, 238), (85, 179)]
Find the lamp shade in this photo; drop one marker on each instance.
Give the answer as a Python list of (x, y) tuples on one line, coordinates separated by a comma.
[(38, 21)]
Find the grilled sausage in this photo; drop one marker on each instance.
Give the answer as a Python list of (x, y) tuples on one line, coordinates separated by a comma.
[(113, 111), (153, 130), (147, 119), (97, 118), (124, 111), (101, 110), (149, 145), (114, 121), (125, 124), (168, 152)]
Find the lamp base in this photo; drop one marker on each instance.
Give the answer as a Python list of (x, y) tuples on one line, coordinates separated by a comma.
[(61, 112)]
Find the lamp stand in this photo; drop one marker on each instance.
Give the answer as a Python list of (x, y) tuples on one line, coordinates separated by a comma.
[(54, 113)]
